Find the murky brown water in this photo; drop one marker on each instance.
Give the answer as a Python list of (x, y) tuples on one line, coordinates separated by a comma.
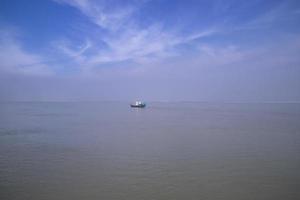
[(108, 151)]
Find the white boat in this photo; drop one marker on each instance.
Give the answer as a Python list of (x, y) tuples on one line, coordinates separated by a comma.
[(138, 104)]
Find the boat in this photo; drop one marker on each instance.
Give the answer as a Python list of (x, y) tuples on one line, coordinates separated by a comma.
[(138, 104)]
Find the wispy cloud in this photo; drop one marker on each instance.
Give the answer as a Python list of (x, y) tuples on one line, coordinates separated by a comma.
[(71, 52), (15, 59), (142, 43), (101, 12), (277, 14), (66, 48), (125, 39)]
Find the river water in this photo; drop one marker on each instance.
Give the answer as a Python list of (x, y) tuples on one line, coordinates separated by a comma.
[(109, 151)]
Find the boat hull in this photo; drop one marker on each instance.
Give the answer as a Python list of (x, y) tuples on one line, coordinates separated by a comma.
[(138, 106)]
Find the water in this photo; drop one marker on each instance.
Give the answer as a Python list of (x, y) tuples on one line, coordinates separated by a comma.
[(107, 150)]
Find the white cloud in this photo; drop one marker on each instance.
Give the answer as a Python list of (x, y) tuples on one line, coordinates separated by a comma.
[(16, 60), (64, 46), (101, 13), (279, 13), (74, 53), (125, 39)]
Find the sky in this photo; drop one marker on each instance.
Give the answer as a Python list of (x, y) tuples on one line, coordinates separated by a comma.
[(151, 50)]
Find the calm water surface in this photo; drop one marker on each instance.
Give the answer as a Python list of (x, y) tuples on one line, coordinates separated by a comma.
[(167, 151)]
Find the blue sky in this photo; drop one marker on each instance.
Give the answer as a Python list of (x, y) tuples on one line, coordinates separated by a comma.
[(157, 50)]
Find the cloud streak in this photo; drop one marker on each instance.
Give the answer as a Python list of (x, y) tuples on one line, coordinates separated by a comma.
[(15, 59), (102, 14), (125, 40)]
